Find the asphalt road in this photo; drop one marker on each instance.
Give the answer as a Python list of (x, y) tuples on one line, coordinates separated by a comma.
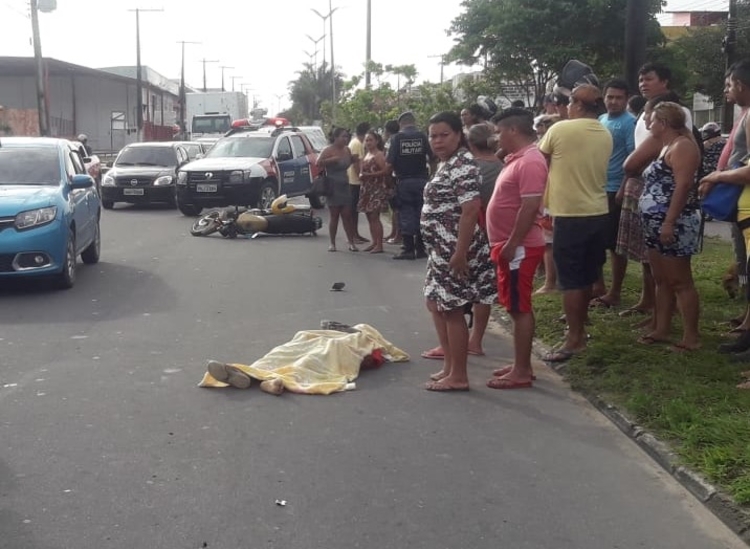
[(106, 442)]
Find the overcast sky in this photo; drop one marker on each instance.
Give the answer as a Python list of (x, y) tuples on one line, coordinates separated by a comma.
[(264, 40)]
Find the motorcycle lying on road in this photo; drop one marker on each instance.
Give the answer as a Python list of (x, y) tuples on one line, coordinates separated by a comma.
[(280, 218)]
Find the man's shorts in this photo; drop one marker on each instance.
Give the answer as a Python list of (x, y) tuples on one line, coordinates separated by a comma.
[(615, 210), (579, 250), (515, 280)]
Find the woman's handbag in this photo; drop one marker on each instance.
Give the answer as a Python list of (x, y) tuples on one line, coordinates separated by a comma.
[(721, 202), (322, 185)]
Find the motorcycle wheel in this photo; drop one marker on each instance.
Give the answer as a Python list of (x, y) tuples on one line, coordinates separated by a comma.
[(206, 225)]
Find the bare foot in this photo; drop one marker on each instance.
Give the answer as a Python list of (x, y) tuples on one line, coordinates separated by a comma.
[(683, 347), (649, 322), (369, 248), (376, 251)]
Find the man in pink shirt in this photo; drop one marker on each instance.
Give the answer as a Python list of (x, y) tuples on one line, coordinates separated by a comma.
[(514, 228)]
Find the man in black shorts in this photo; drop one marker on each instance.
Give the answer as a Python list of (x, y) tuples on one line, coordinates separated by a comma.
[(621, 124)]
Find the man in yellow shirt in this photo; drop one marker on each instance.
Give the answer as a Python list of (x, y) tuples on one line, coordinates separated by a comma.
[(578, 152), (356, 145)]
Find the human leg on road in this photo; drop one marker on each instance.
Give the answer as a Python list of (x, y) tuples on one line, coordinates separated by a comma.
[(334, 212), (515, 281), (376, 231), (453, 335)]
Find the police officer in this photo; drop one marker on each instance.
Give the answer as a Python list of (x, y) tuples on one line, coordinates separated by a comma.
[(408, 155)]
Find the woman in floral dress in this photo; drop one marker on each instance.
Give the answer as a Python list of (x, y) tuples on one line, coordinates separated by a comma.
[(374, 193), (459, 270), (671, 221)]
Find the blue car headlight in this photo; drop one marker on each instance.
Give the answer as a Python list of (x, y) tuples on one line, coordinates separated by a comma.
[(35, 218)]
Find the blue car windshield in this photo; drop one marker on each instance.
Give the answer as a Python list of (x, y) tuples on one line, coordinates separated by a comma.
[(238, 147), (29, 166)]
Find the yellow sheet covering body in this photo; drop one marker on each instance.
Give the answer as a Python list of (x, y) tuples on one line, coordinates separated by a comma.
[(318, 362)]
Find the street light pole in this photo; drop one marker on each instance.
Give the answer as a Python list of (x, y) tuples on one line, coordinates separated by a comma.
[(368, 44), (333, 67), (138, 71), (442, 65), (183, 94), (222, 67), (316, 46), (323, 18), (41, 88), (204, 61), (233, 78)]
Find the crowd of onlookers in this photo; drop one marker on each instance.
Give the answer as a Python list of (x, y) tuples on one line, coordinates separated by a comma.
[(492, 200)]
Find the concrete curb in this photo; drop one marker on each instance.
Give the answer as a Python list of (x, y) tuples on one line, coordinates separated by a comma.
[(733, 515)]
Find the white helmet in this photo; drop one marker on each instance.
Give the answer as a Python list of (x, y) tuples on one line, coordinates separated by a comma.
[(83, 138)]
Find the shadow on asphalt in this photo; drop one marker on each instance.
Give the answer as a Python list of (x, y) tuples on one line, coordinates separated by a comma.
[(110, 290)]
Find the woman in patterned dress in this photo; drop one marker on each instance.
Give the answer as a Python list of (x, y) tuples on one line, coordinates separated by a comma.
[(671, 221), (459, 270), (374, 193)]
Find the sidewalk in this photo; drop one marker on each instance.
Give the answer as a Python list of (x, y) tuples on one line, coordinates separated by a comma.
[(722, 229)]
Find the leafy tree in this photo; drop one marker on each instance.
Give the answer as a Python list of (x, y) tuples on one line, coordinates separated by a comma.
[(310, 90), (699, 52), (526, 43)]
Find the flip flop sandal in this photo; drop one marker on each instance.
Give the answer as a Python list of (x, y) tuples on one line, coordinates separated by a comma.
[(559, 356), (437, 376), (439, 387), (649, 340), (502, 383), (632, 311), (600, 303), (434, 354), (500, 372)]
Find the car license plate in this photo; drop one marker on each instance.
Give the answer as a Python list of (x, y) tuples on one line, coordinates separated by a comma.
[(206, 188), (132, 192)]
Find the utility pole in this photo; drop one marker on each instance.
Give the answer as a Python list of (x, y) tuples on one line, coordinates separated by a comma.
[(204, 61), (278, 100), (41, 88), (442, 64), (233, 78), (183, 95), (729, 45), (333, 67), (222, 67), (636, 21), (368, 44), (138, 71)]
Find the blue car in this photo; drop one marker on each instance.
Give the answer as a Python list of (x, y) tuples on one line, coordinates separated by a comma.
[(49, 210)]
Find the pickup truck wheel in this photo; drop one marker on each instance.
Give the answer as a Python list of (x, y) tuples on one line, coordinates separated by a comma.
[(108, 204), (267, 195), (188, 209)]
